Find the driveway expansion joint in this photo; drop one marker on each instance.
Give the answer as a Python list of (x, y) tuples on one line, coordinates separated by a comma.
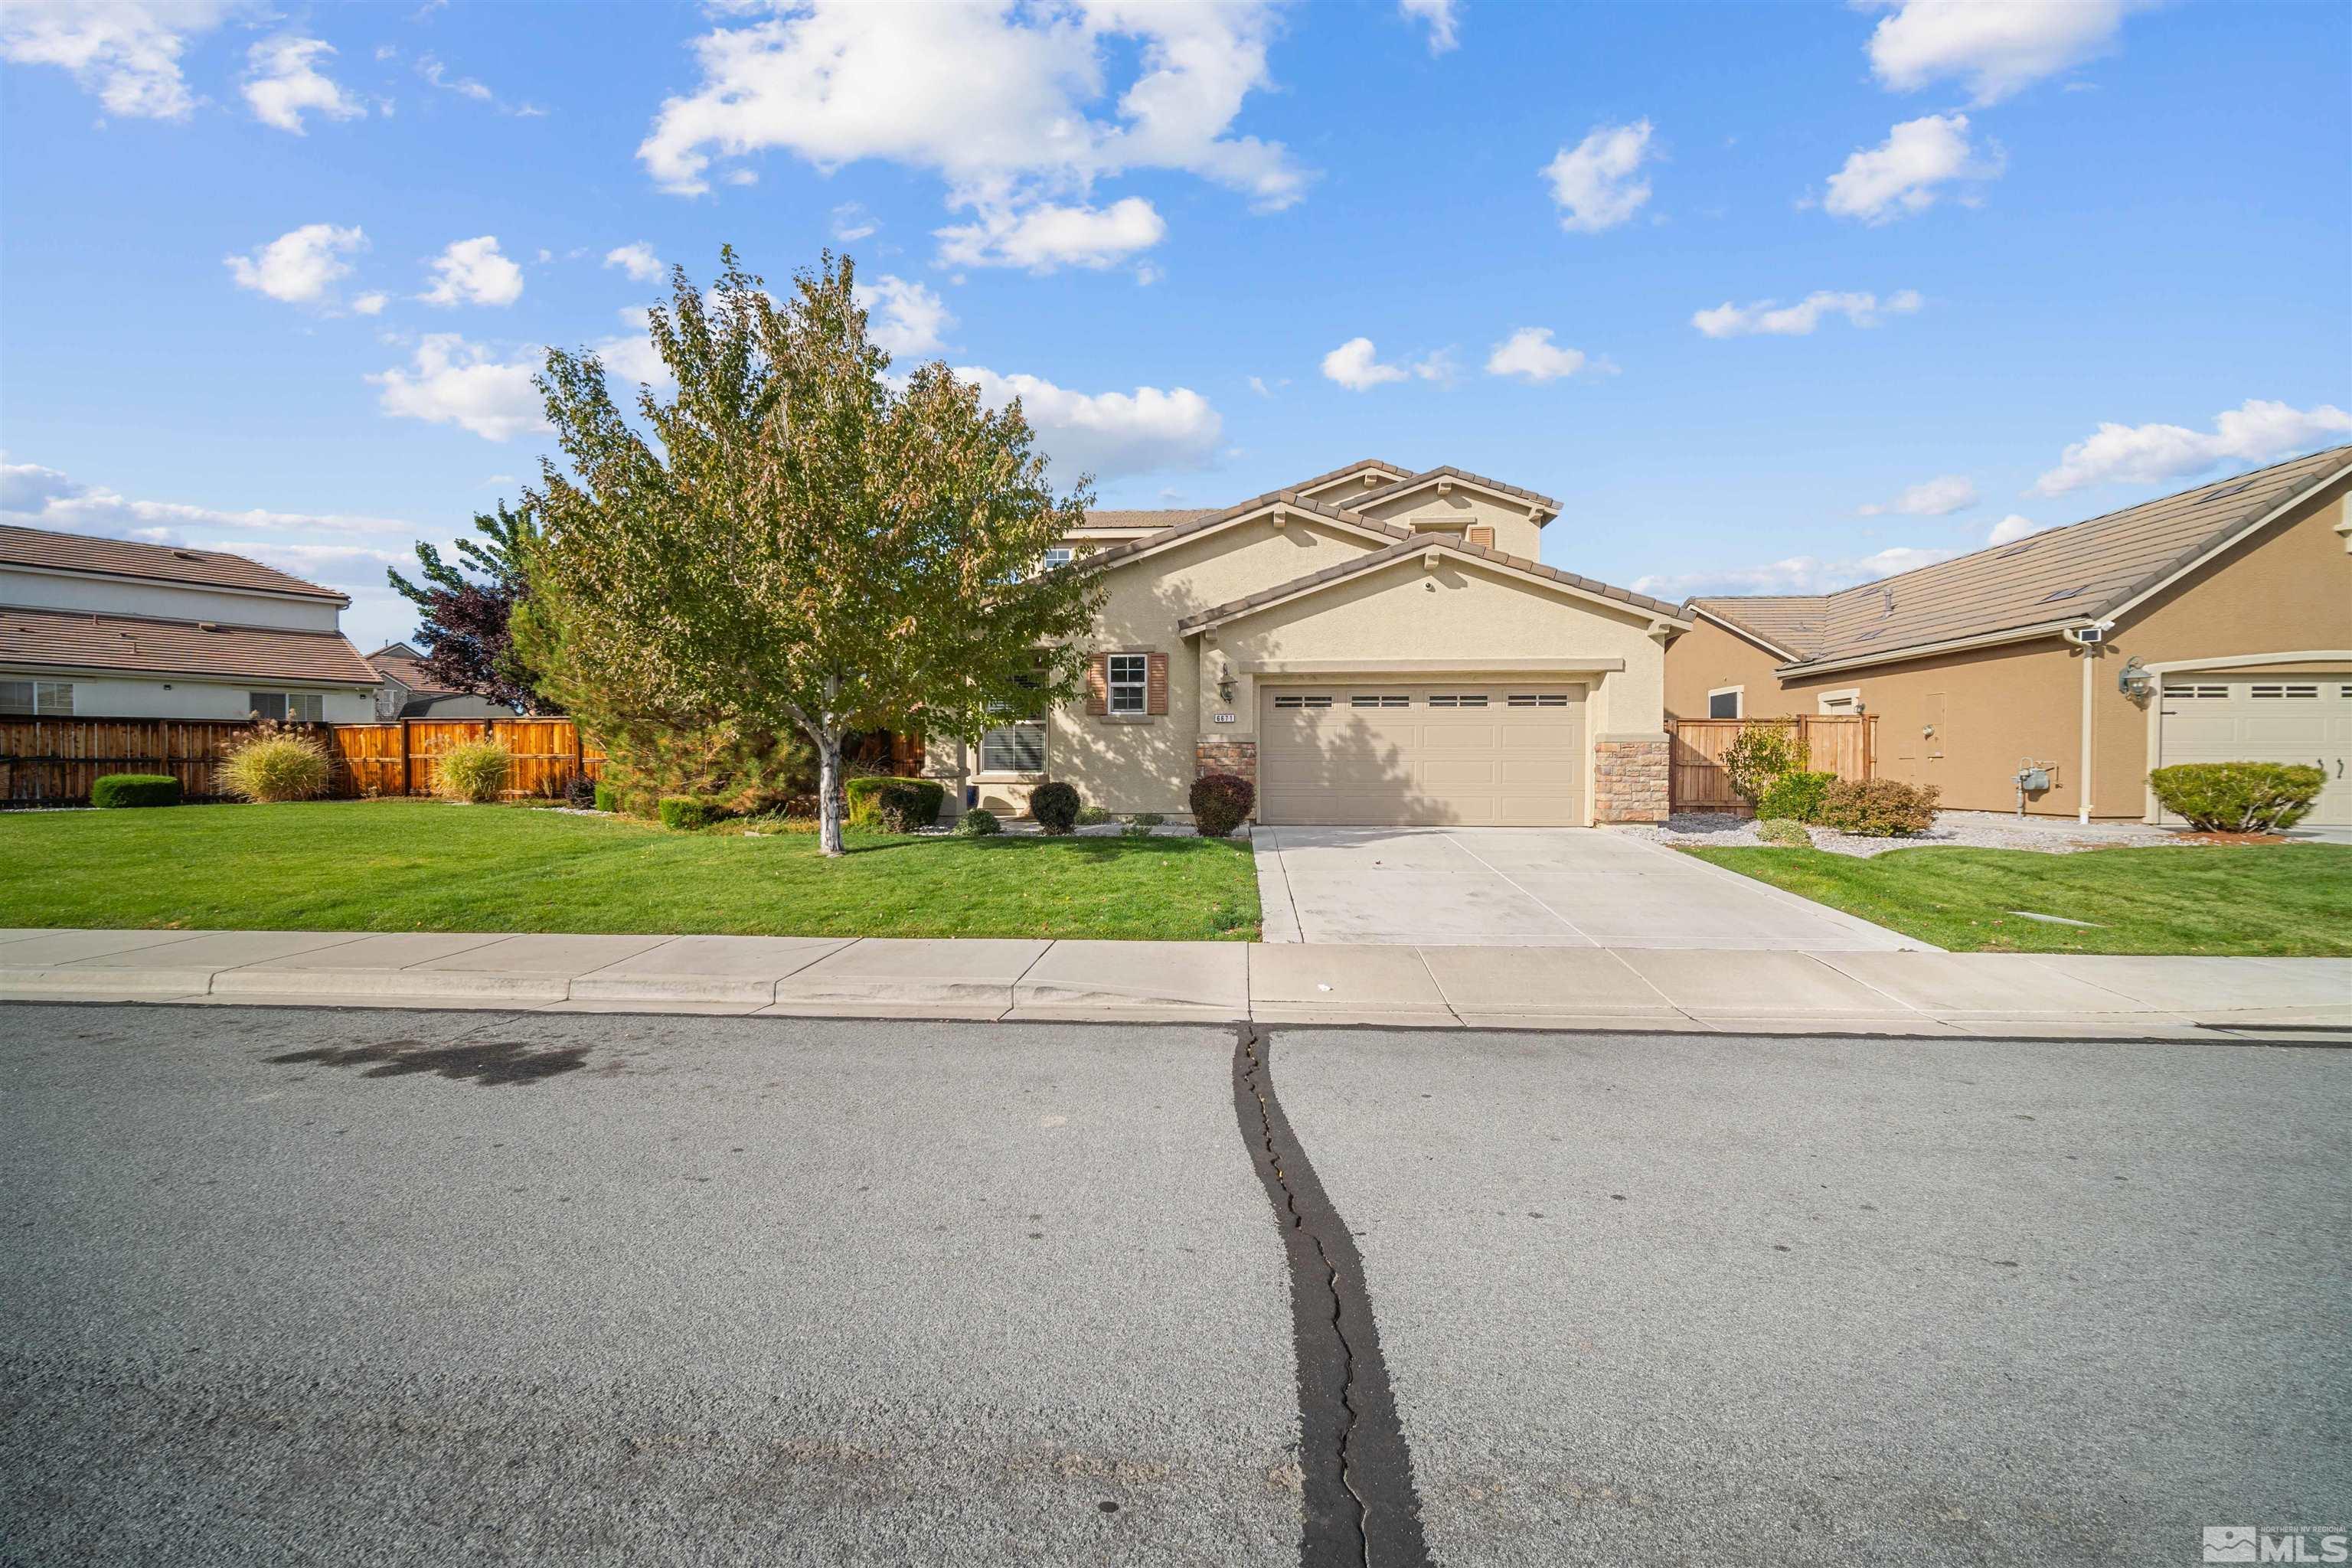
[(1359, 1503)]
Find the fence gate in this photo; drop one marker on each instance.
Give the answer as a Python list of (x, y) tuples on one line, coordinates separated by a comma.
[(1841, 743)]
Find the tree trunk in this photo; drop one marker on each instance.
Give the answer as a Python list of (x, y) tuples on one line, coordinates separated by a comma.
[(828, 788)]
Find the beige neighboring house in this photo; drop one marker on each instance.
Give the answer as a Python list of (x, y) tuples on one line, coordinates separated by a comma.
[(112, 629), (409, 692), (2210, 625), (1372, 647)]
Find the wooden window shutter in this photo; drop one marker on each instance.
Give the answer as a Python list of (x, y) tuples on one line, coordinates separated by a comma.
[(1484, 536), (1099, 685), (1156, 693)]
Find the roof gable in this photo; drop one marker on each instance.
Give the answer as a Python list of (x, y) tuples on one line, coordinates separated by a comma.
[(1415, 545), (1167, 538), (1432, 478), (1369, 474)]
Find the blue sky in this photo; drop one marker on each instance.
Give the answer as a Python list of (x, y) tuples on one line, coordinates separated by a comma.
[(1771, 297)]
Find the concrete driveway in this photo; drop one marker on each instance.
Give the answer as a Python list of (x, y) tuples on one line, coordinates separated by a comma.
[(1530, 886)]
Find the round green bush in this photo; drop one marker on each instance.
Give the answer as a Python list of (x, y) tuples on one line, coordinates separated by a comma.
[(865, 800), (1220, 802), (1783, 834), (688, 812), (1147, 819), (1763, 750), (276, 765), (607, 797), (1093, 815), (978, 822), (1879, 808), (903, 805), (1797, 796), (135, 789), (2238, 797), (476, 771), (1056, 806)]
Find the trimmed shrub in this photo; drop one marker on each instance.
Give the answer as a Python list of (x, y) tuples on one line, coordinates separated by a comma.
[(1220, 802), (477, 771), (1093, 815), (1783, 833), (1879, 808), (580, 792), (688, 812), (1135, 829), (135, 789), (903, 805), (607, 798), (1147, 819), (865, 800), (978, 822), (1055, 806), (276, 764), (1761, 752), (1795, 796), (2238, 797)]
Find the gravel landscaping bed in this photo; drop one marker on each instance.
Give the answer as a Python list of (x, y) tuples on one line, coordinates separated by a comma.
[(1953, 829)]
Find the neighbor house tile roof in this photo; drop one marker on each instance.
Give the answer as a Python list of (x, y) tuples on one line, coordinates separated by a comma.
[(77, 641), (1413, 544), (155, 562), (1157, 517), (405, 669), (2085, 572), (1414, 481)]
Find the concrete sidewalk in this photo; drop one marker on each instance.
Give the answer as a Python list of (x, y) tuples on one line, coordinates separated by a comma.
[(1515, 987)]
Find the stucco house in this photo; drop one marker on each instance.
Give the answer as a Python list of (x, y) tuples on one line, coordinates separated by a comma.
[(1374, 645), (2210, 625), (408, 692), (111, 628)]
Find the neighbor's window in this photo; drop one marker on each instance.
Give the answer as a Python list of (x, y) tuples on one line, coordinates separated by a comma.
[(266, 704), (295, 706), (1130, 678), (1723, 704), (1057, 557), (35, 696), (1016, 746)]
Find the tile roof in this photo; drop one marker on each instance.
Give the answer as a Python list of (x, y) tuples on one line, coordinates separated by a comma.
[(1789, 621), (73, 639), (158, 562), (1160, 517), (1413, 481), (1118, 553), (2083, 571), (1341, 472), (405, 671), (1413, 544)]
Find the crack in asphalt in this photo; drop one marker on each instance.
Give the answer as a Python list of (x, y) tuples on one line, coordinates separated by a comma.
[(1359, 1498)]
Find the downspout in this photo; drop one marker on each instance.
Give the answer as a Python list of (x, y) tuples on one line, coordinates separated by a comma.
[(2082, 813)]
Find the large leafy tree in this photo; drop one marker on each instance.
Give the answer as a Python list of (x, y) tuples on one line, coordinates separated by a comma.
[(791, 540), (465, 611)]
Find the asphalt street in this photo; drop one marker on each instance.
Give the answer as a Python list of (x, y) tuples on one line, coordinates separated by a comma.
[(306, 1286)]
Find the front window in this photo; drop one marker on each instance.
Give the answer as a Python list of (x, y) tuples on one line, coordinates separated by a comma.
[(1130, 676), (1015, 746), (295, 706), (1723, 704), (36, 696)]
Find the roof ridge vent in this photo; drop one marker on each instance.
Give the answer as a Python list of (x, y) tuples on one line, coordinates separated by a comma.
[(1885, 603)]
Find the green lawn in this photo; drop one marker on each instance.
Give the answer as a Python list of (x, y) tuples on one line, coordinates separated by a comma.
[(424, 866), (2274, 900)]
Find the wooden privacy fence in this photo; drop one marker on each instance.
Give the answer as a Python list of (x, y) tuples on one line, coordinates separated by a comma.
[(1842, 743), (53, 761)]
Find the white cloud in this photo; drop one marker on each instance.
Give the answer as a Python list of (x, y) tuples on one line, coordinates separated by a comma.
[(433, 72), (1047, 235), (283, 79), (2255, 432), (1257, 384), (371, 304), (1532, 355), (1596, 182), (637, 261), (1900, 175), (471, 271), (911, 317), (1998, 47), (126, 54), (1796, 574), (1439, 366), (2013, 528), (851, 221), (1772, 318), (1111, 435), (631, 358), (32, 496), (453, 381), (1443, 23), (1355, 366), (996, 100), (1928, 497), (299, 267)]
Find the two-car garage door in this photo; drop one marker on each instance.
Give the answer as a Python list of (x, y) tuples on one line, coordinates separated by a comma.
[(1468, 753), (2269, 718)]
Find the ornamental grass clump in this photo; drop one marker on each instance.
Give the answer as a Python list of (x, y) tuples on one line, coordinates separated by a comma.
[(477, 771), (276, 763)]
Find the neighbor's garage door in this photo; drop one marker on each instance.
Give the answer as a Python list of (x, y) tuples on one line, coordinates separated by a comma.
[(1494, 756), (2288, 719)]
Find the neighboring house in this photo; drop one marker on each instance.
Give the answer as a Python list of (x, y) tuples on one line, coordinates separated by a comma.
[(408, 692), (109, 629), (1373, 646), (2210, 625)]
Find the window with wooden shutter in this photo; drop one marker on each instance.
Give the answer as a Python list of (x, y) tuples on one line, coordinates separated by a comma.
[(1159, 685), (1099, 685), (1484, 536)]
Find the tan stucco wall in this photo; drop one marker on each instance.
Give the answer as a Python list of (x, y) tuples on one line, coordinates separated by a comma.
[(2288, 590), (1515, 532)]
